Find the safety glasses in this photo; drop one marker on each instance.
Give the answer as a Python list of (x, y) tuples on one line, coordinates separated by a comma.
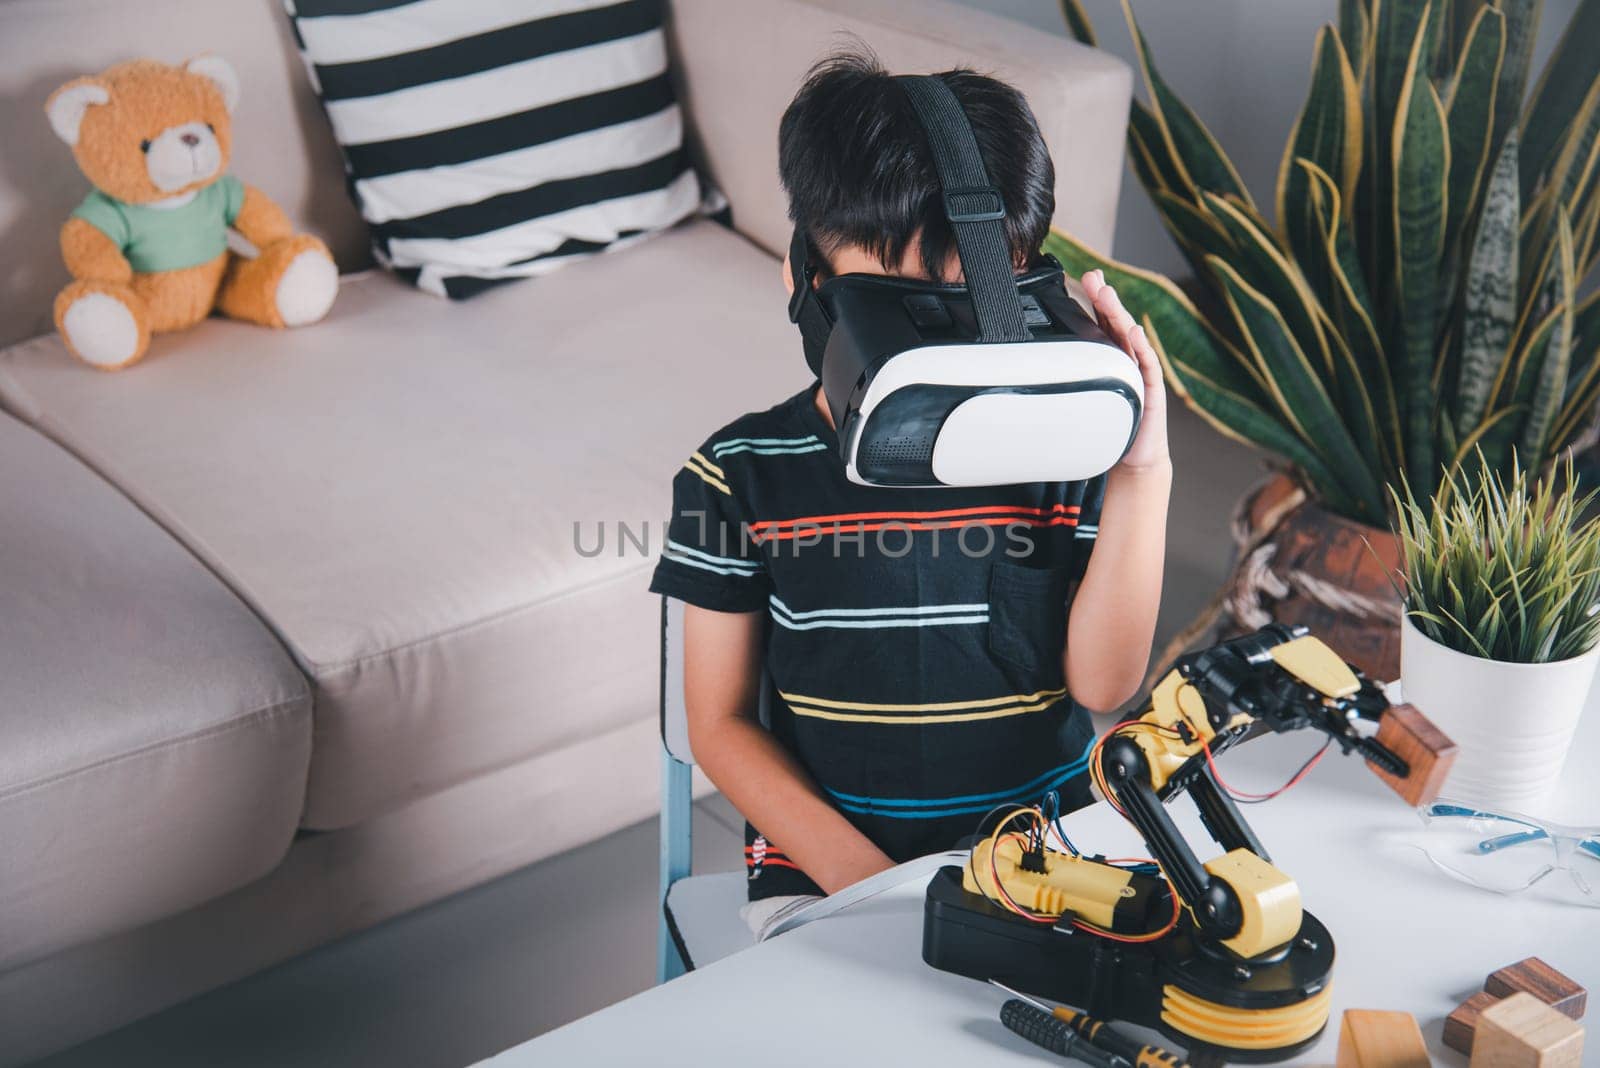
[(1507, 852)]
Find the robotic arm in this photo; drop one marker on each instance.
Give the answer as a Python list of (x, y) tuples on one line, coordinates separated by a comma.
[(1218, 955), (1277, 679)]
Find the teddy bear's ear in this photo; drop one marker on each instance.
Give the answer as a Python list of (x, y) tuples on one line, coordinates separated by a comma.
[(67, 105), (219, 71)]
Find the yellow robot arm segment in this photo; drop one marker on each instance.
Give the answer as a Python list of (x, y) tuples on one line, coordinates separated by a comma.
[(1269, 901), (1316, 665), (1174, 704), (1085, 888)]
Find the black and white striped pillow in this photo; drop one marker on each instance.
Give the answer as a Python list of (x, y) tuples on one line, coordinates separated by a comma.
[(488, 140)]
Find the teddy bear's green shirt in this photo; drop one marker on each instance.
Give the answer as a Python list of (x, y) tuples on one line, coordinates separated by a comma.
[(168, 239)]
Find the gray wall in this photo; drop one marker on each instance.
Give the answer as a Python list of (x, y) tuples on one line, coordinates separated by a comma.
[(1242, 65)]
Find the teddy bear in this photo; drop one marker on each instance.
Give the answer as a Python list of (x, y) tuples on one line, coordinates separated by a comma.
[(149, 249)]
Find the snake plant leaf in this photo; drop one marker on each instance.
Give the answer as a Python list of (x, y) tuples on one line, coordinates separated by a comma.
[(1547, 364), (1143, 160), (1541, 293), (1557, 97), (1167, 306), (1263, 267), (1496, 444), (1144, 131), (1400, 37), (1543, 360), (1586, 227), (1355, 33), (1440, 62), (1447, 444), (1474, 441), (1297, 391), (1315, 265), (1350, 295), (1078, 23), (1404, 43), (1470, 113), (1195, 232), (1196, 155), (1327, 133), (1515, 393), (1568, 176), (1354, 392), (1586, 322), (1522, 26), (1458, 16), (1421, 153), (1260, 263), (1490, 311), (1236, 416), (1583, 381), (1346, 296)]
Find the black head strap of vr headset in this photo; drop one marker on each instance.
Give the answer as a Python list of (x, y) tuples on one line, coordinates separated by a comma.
[(976, 213)]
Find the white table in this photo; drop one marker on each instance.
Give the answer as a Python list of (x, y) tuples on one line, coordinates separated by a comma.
[(852, 988)]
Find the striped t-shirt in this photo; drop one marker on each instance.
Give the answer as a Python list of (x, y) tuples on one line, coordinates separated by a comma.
[(916, 635)]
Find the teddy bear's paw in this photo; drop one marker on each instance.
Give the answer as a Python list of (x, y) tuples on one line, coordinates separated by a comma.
[(306, 288), (102, 330)]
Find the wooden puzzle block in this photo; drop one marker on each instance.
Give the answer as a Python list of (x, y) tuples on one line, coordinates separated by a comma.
[(1372, 1038), (1423, 746), (1534, 976), (1459, 1025), (1521, 1031)]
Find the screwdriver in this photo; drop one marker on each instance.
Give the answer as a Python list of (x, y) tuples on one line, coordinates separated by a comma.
[(1039, 1026), (1099, 1034)]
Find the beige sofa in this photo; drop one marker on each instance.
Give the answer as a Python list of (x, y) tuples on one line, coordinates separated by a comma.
[(294, 632)]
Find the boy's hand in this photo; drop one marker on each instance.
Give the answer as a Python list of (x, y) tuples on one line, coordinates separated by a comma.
[(1149, 448)]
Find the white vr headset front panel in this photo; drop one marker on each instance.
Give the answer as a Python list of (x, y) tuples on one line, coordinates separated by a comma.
[(1049, 437), (999, 438)]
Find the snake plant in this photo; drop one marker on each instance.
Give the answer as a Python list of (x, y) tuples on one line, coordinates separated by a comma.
[(1416, 305), (1502, 568)]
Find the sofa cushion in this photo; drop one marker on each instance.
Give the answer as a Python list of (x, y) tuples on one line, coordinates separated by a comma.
[(734, 96), (490, 142), (154, 736), (398, 490)]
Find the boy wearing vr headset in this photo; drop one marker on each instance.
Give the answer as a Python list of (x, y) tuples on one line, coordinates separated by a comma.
[(933, 650)]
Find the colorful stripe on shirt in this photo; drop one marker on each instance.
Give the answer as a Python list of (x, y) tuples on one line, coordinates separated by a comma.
[(925, 808), (769, 446), (679, 553), (940, 712), (709, 473), (763, 854), (928, 615), (1059, 515)]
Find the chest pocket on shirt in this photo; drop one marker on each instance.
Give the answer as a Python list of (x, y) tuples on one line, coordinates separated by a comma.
[(1028, 619)]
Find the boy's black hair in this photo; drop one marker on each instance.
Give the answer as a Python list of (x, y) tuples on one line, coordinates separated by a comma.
[(856, 164)]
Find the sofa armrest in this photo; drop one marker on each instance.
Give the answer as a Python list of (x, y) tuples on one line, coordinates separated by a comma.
[(739, 62)]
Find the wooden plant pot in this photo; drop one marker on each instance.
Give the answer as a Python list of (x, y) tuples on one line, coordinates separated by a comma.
[(1297, 562)]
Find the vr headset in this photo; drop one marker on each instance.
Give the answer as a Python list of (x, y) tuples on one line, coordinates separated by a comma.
[(999, 381)]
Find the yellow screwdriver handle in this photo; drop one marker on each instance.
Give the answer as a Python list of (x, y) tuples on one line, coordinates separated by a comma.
[(1143, 1056)]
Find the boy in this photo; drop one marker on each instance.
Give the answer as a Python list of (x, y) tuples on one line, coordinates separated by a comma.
[(926, 663)]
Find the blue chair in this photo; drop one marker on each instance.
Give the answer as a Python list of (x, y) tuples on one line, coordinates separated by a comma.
[(699, 913)]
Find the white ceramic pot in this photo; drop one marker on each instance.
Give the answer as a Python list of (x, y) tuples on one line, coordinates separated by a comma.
[(1513, 722)]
